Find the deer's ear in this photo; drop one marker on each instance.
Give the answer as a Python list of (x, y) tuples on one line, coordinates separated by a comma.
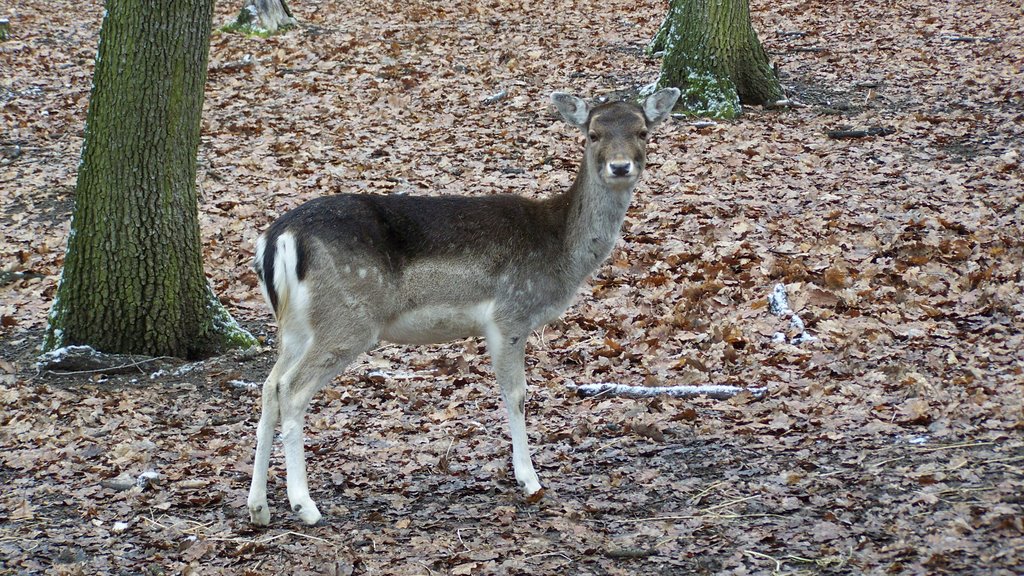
[(574, 110), (658, 106)]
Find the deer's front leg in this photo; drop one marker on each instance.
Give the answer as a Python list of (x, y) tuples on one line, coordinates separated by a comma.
[(508, 355)]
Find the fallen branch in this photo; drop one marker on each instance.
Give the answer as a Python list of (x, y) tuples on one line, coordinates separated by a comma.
[(959, 38), (873, 131), (784, 103), (85, 360), (716, 391), (952, 446), (629, 552)]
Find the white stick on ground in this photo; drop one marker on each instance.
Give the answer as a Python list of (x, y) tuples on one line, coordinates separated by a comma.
[(720, 392)]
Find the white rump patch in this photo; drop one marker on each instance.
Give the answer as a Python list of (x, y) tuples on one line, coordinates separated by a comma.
[(292, 295)]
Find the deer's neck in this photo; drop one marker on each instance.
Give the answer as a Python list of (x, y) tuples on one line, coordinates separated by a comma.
[(593, 220)]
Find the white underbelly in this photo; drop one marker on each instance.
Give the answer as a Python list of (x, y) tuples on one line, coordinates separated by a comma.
[(439, 323)]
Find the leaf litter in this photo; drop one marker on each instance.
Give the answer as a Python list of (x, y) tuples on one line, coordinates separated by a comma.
[(890, 443)]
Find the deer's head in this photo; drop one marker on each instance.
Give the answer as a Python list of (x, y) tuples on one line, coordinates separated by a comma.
[(616, 133)]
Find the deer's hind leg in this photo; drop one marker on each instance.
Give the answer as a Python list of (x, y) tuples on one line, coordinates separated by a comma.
[(311, 355), (259, 511), (316, 369)]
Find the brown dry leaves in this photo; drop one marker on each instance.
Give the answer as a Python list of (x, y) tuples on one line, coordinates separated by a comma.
[(891, 444)]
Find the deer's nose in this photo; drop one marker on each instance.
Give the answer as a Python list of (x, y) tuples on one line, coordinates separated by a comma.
[(620, 169)]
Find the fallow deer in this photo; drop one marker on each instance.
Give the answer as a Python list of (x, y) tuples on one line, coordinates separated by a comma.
[(344, 272)]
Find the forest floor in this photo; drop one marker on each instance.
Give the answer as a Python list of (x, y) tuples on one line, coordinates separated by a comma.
[(893, 443)]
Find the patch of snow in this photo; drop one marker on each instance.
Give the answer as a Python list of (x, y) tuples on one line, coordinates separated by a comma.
[(146, 478), (182, 370), (778, 301), (393, 375), (60, 354), (778, 304)]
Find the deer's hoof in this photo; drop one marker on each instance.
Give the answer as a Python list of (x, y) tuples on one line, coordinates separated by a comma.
[(535, 497), (308, 513), (259, 514)]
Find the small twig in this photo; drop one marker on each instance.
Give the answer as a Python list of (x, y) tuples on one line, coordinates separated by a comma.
[(704, 513), (276, 536), (234, 539), (629, 552), (729, 503), (952, 446), (449, 450), (113, 369), (740, 516), (965, 490), (884, 462), (546, 554), (637, 552), (1004, 461), (700, 495), (778, 563)]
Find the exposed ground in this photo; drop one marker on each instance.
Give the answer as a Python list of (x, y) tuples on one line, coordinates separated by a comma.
[(892, 444)]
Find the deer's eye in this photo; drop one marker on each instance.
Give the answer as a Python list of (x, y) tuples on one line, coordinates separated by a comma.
[(594, 136), (643, 134)]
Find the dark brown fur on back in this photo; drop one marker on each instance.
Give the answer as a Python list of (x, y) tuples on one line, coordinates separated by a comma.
[(400, 229)]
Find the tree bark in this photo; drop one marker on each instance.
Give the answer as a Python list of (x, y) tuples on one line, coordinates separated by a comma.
[(133, 278), (262, 17), (713, 55)]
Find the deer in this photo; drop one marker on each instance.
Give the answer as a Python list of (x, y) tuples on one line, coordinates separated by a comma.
[(342, 273)]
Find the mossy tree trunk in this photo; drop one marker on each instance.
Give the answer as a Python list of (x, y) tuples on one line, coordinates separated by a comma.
[(133, 278), (712, 54), (262, 17)]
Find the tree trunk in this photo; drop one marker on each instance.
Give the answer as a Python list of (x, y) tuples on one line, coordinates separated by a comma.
[(262, 17), (133, 278), (713, 55)]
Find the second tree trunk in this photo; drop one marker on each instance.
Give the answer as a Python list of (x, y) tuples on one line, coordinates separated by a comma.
[(713, 55)]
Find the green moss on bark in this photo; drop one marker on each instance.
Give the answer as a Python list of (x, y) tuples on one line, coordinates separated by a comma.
[(713, 55)]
